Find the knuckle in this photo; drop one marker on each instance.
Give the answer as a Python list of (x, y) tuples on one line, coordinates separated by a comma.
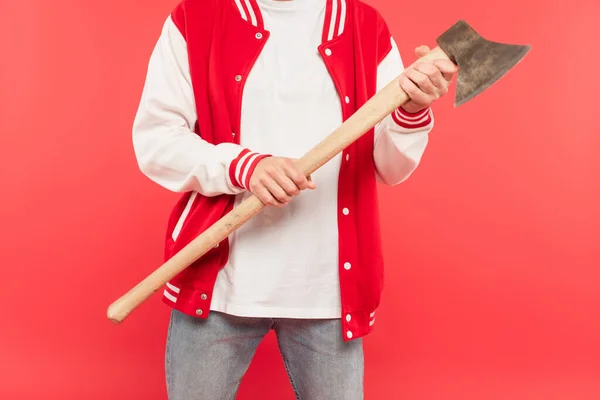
[(424, 68), (406, 84), (298, 178), (432, 69), (447, 65), (413, 90), (301, 185), (288, 188), (271, 170)]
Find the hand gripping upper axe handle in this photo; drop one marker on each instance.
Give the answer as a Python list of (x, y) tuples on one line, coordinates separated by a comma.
[(481, 63)]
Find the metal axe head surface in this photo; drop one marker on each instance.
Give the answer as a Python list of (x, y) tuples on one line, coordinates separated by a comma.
[(480, 62)]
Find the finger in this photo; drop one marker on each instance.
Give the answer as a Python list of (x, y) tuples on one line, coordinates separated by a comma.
[(286, 183), (447, 68), (277, 191), (421, 80), (434, 74), (311, 184), (295, 175), (265, 196), (422, 51), (413, 91)]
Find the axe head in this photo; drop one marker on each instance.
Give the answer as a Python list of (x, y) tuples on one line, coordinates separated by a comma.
[(480, 62)]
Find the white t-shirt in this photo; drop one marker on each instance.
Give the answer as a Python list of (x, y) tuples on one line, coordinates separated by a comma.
[(284, 262)]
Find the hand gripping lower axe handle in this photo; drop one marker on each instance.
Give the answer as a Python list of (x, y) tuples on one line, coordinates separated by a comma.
[(481, 63)]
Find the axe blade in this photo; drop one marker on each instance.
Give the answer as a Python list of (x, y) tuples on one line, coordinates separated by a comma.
[(481, 62)]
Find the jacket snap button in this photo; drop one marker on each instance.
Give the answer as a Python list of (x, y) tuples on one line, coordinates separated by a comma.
[(203, 296), (238, 78), (347, 266), (345, 211), (259, 35), (199, 312), (328, 52), (349, 335)]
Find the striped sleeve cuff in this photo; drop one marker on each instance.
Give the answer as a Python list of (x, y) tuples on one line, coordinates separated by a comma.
[(412, 121), (242, 168)]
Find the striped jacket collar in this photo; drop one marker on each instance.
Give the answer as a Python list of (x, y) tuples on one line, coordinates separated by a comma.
[(335, 16), (335, 19), (250, 12)]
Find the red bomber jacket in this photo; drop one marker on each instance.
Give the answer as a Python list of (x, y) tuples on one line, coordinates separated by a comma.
[(224, 39)]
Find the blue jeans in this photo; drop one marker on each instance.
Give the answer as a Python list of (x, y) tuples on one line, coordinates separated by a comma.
[(206, 359)]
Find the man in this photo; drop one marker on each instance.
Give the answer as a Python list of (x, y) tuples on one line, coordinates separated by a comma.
[(235, 91)]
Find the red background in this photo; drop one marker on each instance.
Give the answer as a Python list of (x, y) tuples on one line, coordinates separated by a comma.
[(492, 246)]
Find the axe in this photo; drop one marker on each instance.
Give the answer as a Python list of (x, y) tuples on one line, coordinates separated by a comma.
[(481, 63)]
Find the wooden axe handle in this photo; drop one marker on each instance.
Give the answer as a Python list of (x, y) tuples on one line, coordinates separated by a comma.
[(370, 114)]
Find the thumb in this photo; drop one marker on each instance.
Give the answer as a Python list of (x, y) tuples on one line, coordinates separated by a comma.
[(422, 51)]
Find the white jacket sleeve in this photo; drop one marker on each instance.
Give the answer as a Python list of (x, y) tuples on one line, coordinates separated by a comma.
[(401, 138), (166, 147)]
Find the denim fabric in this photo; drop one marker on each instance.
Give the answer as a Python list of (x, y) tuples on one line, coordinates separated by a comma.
[(207, 358)]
